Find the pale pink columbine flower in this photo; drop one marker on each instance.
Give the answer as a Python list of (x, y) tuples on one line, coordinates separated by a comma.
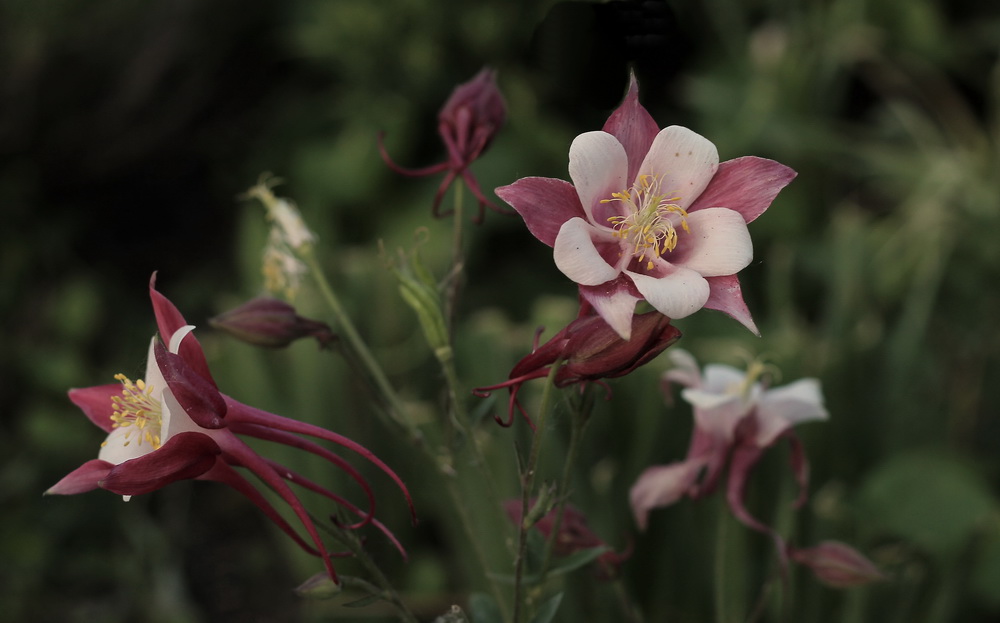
[(176, 425), (651, 215), (737, 417)]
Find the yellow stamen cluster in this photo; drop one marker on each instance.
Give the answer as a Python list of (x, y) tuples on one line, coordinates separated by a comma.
[(647, 226), (757, 369), (137, 410)]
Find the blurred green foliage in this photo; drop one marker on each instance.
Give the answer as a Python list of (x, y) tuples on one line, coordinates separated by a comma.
[(127, 130)]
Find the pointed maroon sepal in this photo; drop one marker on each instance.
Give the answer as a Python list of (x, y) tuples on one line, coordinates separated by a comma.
[(81, 479), (197, 396)]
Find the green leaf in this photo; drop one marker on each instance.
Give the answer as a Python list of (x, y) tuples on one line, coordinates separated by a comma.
[(367, 600), (484, 609), (548, 610), (934, 501), (578, 559)]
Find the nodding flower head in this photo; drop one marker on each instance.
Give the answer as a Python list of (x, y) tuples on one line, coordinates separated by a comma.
[(587, 350), (175, 425), (467, 123)]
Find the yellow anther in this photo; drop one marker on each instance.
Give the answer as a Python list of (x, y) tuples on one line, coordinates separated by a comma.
[(138, 408), (647, 226)]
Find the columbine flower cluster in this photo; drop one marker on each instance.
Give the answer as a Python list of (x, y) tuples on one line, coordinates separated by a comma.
[(176, 425)]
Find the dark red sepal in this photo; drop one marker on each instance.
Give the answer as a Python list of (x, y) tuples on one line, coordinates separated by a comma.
[(185, 456), (197, 396)]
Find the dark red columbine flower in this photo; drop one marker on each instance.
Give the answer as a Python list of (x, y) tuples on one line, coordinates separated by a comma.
[(467, 123), (590, 350), (574, 535), (176, 425), (271, 323)]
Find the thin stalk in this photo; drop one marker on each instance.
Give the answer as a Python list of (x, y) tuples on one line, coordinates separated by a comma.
[(359, 349), (454, 278), (527, 485), (384, 588), (579, 423), (719, 588)]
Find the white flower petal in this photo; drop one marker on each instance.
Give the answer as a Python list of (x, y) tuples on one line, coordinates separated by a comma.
[(783, 407), (686, 160), (723, 379), (685, 371), (598, 167), (114, 450), (719, 243), (678, 294), (577, 257)]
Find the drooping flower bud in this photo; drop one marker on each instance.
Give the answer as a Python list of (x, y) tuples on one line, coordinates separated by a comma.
[(838, 565), (467, 123), (271, 323), (589, 350)]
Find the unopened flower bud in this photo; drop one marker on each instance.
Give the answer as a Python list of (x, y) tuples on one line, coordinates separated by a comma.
[(838, 565), (271, 323), (470, 118)]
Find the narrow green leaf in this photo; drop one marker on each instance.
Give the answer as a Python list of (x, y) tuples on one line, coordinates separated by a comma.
[(548, 610)]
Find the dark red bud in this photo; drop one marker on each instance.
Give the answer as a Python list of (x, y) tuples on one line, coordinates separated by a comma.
[(271, 323), (471, 117), (838, 565)]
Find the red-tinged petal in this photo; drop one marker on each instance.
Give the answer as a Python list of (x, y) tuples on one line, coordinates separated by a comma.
[(800, 468), (81, 479), (239, 412), (239, 453), (298, 479), (744, 457), (837, 564), (661, 485), (747, 185), (95, 402), (634, 128), (725, 295), (598, 167), (677, 293), (223, 473), (577, 256), (719, 243), (288, 439), (198, 397), (686, 160), (169, 320), (183, 457), (544, 203), (615, 302)]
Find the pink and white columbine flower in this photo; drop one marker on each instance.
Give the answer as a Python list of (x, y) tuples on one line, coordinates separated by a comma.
[(651, 215), (176, 425), (737, 418)]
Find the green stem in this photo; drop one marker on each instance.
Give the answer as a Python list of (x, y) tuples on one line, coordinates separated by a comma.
[(719, 588), (454, 278), (527, 485), (359, 350)]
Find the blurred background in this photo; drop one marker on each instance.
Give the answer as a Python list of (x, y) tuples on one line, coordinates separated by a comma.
[(128, 130)]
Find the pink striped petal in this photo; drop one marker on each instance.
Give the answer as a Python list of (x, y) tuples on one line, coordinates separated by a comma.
[(95, 402), (747, 185), (686, 160), (727, 296), (544, 203), (598, 167), (634, 128), (81, 479)]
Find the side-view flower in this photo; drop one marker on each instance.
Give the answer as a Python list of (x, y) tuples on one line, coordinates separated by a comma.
[(737, 418), (176, 425), (651, 215)]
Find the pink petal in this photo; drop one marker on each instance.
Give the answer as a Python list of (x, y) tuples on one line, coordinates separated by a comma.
[(677, 294), (661, 485), (719, 243), (95, 402), (634, 128), (747, 185), (82, 479), (614, 301), (169, 320), (686, 161), (598, 167), (783, 407), (725, 295), (184, 456), (744, 458), (685, 371), (544, 203), (577, 256)]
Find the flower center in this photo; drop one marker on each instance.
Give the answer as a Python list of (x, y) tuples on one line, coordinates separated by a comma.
[(647, 228), (758, 371), (137, 410)]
